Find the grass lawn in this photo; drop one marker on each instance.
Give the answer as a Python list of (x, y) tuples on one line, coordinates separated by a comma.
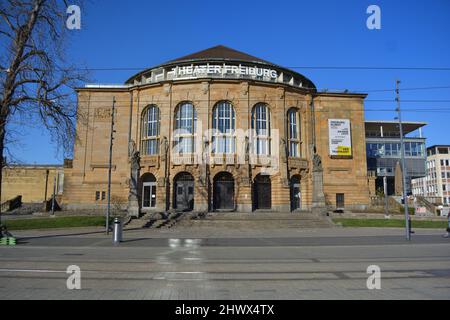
[(389, 223), (50, 223)]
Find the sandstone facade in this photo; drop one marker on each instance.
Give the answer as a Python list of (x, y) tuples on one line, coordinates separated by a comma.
[(86, 181)]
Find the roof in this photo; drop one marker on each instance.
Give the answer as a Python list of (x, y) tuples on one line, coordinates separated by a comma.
[(392, 126), (220, 52), (439, 146)]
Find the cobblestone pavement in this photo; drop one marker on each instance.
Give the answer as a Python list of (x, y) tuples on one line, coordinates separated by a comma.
[(227, 264)]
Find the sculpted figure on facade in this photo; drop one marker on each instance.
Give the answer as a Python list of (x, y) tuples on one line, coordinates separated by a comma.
[(164, 149), (247, 148), (283, 150), (317, 162), (131, 148)]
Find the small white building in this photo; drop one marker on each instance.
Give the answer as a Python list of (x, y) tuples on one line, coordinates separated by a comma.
[(436, 184)]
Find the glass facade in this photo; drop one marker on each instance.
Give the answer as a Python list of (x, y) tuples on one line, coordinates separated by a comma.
[(412, 149)]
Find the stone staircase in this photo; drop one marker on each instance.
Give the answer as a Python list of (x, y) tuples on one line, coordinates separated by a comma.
[(26, 209), (157, 220), (257, 220)]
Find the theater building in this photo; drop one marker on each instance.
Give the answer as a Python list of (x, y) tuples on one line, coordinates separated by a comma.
[(218, 130)]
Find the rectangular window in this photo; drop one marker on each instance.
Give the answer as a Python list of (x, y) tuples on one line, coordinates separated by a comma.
[(395, 149), (388, 149), (97, 195), (293, 149), (149, 195), (60, 183), (103, 195), (407, 149), (340, 204)]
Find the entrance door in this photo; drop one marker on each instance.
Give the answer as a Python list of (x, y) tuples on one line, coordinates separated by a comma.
[(148, 195), (263, 192), (340, 203), (184, 192), (296, 196), (223, 191)]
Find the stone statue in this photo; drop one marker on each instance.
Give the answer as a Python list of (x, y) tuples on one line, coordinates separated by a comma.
[(283, 150), (131, 148), (203, 176), (135, 162), (164, 148), (247, 148), (205, 150), (318, 202), (133, 202), (317, 162)]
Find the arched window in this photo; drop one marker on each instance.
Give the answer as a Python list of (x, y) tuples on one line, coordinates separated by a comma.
[(261, 129), (223, 140), (185, 126), (294, 133), (150, 131)]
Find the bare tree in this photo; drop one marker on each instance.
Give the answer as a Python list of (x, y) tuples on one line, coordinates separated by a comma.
[(36, 81)]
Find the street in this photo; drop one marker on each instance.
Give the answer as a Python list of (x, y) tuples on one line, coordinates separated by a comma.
[(208, 264)]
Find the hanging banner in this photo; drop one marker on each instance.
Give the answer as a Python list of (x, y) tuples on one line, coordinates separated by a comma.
[(340, 137)]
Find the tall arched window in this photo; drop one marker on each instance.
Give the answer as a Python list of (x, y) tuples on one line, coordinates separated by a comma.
[(185, 126), (261, 129), (223, 140), (150, 131), (294, 133)]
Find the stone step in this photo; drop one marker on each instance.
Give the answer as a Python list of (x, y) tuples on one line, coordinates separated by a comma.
[(157, 220), (303, 222), (231, 220)]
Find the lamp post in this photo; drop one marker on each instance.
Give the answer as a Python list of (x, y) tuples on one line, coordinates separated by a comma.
[(402, 147), (108, 210)]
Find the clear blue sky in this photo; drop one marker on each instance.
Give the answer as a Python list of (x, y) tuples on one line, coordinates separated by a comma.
[(142, 33)]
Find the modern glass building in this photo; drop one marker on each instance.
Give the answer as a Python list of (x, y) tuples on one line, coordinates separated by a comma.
[(384, 152)]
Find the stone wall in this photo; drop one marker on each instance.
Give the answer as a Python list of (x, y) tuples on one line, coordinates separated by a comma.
[(30, 182)]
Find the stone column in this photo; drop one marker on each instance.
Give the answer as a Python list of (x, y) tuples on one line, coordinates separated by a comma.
[(133, 202), (318, 202)]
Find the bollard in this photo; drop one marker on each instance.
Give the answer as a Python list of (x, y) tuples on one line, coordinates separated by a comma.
[(117, 231), (409, 225)]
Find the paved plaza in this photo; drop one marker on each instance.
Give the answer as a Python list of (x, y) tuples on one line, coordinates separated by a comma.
[(215, 263)]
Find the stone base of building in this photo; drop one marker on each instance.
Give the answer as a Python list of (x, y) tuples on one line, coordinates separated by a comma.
[(244, 208), (200, 207), (133, 212), (281, 208), (90, 206)]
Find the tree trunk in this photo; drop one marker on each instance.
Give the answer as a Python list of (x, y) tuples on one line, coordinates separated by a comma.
[(2, 143), (22, 37)]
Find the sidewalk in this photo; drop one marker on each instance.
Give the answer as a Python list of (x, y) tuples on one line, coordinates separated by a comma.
[(205, 232)]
